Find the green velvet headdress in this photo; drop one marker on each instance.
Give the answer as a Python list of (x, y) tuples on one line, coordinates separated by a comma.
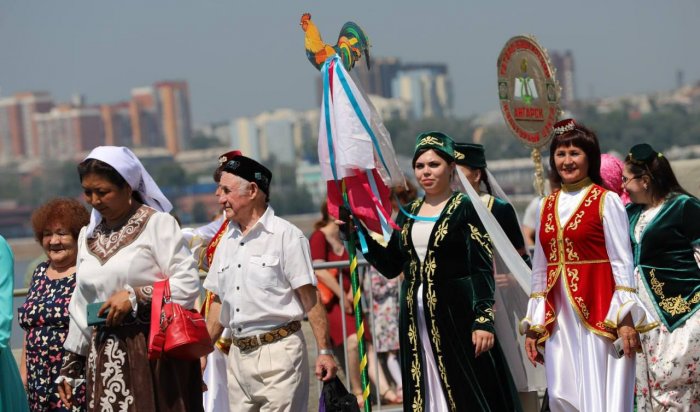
[(470, 154), (436, 141), (642, 154)]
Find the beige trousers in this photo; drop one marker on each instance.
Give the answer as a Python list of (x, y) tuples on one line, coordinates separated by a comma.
[(272, 377)]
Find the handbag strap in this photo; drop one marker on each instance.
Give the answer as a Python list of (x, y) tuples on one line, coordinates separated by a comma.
[(156, 339)]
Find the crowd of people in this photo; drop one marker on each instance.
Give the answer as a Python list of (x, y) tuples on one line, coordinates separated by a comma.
[(612, 317)]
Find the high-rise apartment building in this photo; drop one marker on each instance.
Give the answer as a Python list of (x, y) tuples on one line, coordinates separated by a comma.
[(144, 111), (377, 79), (564, 63), (18, 133), (66, 131), (176, 125), (244, 137), (117, 124), (427, 87)]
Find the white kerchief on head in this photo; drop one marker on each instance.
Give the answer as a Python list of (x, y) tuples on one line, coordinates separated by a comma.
[(125, 162)]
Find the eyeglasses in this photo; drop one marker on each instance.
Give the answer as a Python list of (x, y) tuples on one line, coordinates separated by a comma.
[(626, 179)]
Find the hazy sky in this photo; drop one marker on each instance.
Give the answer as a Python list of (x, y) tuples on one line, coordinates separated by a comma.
[(243, 57)]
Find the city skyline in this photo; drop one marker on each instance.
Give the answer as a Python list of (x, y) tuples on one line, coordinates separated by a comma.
[(243, 60)]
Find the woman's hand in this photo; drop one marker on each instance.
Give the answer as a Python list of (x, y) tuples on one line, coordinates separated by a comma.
[(348, 302), (483, 342), (118, 306), (65, 392), (629, 336), (531, 349)]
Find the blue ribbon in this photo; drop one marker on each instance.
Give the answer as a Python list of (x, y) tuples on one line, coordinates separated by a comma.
[(416, 217), (361, 116)]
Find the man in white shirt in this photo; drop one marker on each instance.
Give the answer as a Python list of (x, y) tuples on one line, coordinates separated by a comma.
[(263, 278)]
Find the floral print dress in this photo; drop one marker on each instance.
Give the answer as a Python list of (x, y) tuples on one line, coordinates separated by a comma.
[(44, 317), (668, 370)]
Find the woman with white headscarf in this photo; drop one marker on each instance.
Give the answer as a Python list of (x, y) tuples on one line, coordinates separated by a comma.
[(130, 243)]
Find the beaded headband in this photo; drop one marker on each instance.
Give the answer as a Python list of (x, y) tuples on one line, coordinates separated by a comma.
[(564, 126)]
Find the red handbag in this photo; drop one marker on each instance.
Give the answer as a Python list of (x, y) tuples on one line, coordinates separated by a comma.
[(178, 332)]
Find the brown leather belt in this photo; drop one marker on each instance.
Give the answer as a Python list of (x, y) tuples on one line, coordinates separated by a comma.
[(252, 342)]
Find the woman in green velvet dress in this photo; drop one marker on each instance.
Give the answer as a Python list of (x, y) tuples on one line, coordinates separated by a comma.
[(449, 355), (665, 234)]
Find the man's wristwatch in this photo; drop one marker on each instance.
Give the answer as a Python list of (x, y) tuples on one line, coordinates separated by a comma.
[(325, 352)]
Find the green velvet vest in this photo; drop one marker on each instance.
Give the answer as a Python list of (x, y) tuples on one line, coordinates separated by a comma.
[(664, 257)]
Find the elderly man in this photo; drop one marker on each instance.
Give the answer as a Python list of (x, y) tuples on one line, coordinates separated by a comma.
[(203, 241), (263, 278)]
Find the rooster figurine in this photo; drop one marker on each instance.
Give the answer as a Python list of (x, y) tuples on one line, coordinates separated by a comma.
[(352, 41)]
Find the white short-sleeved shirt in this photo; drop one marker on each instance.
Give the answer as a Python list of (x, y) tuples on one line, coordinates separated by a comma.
[(255, 275)]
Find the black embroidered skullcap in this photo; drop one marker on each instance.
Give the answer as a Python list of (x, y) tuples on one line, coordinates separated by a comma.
[(229, 156), (249, 170)]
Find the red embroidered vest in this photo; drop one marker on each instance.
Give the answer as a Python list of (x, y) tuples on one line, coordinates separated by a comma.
[(576, 255)]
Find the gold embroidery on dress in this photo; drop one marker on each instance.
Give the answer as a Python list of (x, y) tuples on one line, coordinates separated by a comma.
[(486, 319), (656, 286), (453, 204), (412, 338), (415, 369), (602, 325), (577, 219), (552, 277), (570, 254), (675, 306), (595, 192), (573, 275), (440, 232), (417, 402), (432, 299), (430, 265), (479, 237), (695, 298), (548, 226), (583, 307), (436, 333), (550, 202), (553, 250)]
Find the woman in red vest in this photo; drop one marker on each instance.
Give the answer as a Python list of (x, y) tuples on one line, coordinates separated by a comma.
[(584, 303)]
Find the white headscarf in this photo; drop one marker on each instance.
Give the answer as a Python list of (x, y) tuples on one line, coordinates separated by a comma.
[(125, 162)]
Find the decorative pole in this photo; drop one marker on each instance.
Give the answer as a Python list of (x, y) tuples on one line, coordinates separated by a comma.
[(539, 171), (357, 304)]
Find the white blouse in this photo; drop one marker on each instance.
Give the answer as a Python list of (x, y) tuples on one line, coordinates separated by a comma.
[(139, 258)]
